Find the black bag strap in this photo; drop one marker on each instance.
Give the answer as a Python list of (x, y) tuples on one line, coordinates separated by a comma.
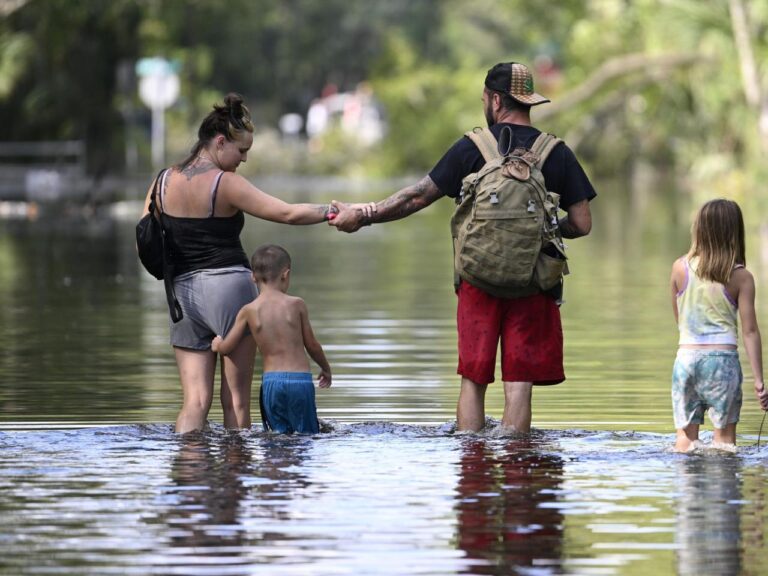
[(174, 308), (152, 198)]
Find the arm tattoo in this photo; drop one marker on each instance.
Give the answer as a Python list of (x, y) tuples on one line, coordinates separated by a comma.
[(318, 211), (321, 210), (407, 201)]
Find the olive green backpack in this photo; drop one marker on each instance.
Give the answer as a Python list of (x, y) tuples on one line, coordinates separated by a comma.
[(506, 237)]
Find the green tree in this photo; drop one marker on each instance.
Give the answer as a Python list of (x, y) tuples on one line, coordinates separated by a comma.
[(64, 81)]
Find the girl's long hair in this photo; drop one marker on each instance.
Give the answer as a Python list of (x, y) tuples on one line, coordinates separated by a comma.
[(718, 240), (231, 119)]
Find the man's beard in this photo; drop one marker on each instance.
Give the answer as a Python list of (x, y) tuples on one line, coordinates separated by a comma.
[(489, 116)]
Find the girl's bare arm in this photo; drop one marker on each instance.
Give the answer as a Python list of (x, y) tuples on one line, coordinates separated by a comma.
[(751, 332)]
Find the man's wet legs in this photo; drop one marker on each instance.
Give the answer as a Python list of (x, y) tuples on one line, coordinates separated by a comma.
[(517, 406), (470, 410)]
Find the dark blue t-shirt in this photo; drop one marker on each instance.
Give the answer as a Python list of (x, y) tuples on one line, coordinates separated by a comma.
[(562, 172)]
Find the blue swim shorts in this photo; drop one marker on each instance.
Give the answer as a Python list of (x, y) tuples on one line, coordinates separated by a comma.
[(706, 379), (287, 401)]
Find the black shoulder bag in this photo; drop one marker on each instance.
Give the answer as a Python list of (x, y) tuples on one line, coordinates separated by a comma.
[(152, 245)]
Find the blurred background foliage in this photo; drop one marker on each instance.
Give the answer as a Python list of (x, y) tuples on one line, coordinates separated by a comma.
[(679, 85)]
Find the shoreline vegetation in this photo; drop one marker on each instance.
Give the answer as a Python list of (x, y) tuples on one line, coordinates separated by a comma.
[(674, 85)]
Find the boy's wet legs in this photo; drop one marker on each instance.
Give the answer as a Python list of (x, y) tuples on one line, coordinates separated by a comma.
[(470, 410), (517, 406)]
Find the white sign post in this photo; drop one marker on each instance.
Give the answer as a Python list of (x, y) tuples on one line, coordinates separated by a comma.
[(158, 89)]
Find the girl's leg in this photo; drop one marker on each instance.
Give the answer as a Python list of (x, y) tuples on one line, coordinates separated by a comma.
[(725, 435), (196, 371), (236, 381), (686, 437)]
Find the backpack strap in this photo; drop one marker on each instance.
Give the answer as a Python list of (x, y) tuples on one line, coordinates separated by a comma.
[(485, 142), (543, 145)]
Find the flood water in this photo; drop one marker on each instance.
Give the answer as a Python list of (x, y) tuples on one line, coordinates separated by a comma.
[(94, 481)]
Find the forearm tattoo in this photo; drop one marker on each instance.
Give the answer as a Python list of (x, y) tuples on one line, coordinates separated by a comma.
[(407, 201), (321, 209)]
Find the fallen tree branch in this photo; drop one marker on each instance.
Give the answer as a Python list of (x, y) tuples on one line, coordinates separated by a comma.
[(648, 65)]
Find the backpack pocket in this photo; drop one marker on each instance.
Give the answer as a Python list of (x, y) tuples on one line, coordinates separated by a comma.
[(499, 247), (550, 266)]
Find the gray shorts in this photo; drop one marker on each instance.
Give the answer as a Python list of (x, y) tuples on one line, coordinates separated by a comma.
[(210, 300)]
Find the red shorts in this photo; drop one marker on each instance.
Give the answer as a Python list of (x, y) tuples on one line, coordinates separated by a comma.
[(530, 331)]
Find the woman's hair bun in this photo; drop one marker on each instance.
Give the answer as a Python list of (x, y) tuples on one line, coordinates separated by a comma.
[(234, 102), (238, 112)]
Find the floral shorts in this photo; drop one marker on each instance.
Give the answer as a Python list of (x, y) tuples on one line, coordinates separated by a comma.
[(706, 380)]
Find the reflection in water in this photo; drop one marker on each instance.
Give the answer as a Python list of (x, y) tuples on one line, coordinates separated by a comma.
[(232, 501), (381, 499), (754, 519), (279, 478), (708, 523), (506, 515), (203, 513)]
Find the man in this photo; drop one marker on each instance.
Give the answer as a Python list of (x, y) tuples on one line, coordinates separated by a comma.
[(529, 327)]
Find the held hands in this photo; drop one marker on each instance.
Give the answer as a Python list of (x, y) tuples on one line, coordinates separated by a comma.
[(762, 395), (324, 379), (351, 217)]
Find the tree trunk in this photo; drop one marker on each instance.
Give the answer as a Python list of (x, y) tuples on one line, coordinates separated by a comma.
[(754, 92)]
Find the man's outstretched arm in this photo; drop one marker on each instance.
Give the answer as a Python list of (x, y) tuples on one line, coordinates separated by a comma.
[(401, 204)]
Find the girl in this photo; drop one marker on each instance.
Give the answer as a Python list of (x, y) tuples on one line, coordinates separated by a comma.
[(709, 285)]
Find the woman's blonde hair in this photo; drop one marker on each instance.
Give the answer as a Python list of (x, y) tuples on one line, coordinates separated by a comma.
[(718, 240)]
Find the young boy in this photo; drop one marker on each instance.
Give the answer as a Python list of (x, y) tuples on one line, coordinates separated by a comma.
[(279, 324)]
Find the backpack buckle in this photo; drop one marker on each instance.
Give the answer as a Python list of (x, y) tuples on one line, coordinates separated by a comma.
[(494, 197)]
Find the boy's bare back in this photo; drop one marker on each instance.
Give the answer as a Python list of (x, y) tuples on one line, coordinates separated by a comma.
[(278, 323)]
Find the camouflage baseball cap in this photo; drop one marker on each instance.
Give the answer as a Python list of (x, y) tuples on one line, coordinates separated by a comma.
[(516, 80)]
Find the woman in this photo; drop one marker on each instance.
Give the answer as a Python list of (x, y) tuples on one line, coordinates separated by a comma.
[(204, 201)]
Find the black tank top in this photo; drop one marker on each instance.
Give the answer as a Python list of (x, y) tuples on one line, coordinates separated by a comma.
[(204, 243)]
